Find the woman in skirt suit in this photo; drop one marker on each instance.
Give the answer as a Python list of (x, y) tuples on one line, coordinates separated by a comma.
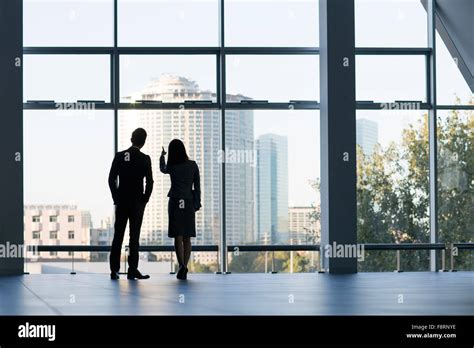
[(184, 200)]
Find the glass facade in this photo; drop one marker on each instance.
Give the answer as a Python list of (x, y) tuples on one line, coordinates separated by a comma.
[(240, 85)]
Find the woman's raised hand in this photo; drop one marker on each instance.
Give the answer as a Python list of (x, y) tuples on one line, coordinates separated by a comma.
[(163, 152)]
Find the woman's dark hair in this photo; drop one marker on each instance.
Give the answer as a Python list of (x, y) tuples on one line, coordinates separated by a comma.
[(176, 152)]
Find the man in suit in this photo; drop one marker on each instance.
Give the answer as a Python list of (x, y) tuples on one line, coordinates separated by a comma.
[(129, 167)]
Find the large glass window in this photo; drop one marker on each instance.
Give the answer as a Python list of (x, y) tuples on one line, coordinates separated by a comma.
[(451, 86), (168, 22), (66, 78), (276, 78), (390, 78), (392, 184), (200, 131), (272, 152), (274, 23), (68, 23), (390, 23), (167, 78), (67, 161), (272, 183), (456, 181)]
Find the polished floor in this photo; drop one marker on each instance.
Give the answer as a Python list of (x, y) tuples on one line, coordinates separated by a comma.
[(241, 294)]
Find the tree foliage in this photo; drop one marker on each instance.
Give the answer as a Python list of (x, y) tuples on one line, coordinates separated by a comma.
[(393, 192)]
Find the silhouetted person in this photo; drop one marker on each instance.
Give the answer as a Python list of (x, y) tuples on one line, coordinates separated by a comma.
[(126, 184), (183, 201)]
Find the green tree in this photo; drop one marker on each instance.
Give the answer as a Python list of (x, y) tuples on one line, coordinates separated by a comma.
[(196, 267), (393, 192), (456, 182)]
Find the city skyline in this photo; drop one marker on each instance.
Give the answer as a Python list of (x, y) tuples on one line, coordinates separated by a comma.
[(57, 137), (200, 132), (272, 189)]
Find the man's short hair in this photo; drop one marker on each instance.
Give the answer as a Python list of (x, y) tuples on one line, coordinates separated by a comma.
[(139, 137)]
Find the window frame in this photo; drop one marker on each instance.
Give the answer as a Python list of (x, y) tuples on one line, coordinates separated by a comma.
[(220, 52)]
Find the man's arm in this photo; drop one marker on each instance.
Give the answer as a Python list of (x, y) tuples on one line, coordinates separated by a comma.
[(113, 175), (149, 180)]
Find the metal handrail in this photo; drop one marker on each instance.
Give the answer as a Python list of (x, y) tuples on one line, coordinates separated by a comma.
[(464, 246), (282, 247), (249, 248), (107, 248), (405, 246), (262, 248)]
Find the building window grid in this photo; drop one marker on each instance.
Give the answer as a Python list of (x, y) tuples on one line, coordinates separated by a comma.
[(220, 51)]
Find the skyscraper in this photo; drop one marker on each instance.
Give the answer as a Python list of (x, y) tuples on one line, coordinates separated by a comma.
[(272, 189), (240, 177), (302, 227), (200, 130), (366, 135)]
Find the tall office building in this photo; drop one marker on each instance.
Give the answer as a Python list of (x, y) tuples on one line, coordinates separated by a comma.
[(272, 189), (57, 225), (367, 134), (200, 130), (240, 176), (302, 227)]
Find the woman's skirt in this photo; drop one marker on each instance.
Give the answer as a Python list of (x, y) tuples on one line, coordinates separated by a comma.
[(181, 217)]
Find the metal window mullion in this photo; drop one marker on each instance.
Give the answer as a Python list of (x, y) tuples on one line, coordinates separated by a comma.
[(222, 100), (433, 139), (454, 107), (392, 51), (271, 50), (115, 77)]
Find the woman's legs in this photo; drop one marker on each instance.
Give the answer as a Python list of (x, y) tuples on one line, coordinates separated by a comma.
[(187, 250), (179, 249)]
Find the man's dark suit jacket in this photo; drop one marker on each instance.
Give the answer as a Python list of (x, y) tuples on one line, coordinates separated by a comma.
[(126, 176)]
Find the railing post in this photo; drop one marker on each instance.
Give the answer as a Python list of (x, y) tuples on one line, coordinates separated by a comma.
[(398, 262), (172, 271), (125, 260), (72, 271), (321, 260), (443, 260), (25, 268), (452, 258), (291, 261), (273, 262), (266, 261), (218, 264)]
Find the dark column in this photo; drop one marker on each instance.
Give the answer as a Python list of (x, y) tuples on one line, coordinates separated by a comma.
[(11, 138), (338, 132)]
